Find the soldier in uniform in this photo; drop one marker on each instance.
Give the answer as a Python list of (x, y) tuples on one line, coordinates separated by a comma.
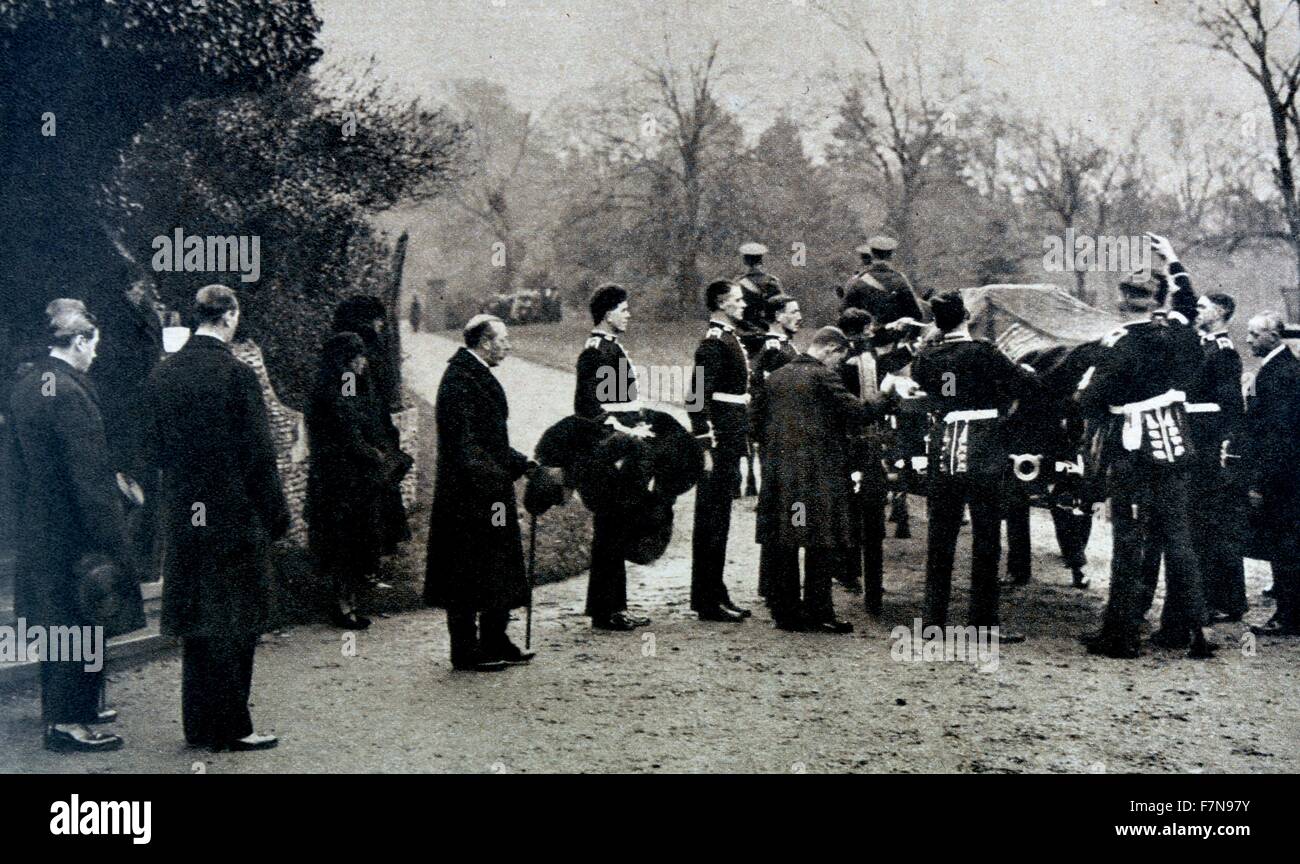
[(887, 295), (1272, 460), (758, 286), (1216, 411), (720, 422), (606, 393), (1136, 394), (881, 288), (970, 384), (784, 319), (861, 278)]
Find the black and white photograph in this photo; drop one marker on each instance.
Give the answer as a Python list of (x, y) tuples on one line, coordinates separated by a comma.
[(652, 387)]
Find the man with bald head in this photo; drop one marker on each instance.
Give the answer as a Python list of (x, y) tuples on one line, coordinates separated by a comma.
[(1272, 461)]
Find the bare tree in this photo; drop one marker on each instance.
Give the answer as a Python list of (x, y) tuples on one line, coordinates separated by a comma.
[(1263, 36), (892, 120), (502, 141), (1070, 177), (664, 144)]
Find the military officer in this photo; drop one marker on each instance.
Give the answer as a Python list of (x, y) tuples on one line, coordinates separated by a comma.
[(758, 286), (861, 279), (606, 393), (718, 401), (881, 288), (970, 385), (1216, 412), (1136, 394)]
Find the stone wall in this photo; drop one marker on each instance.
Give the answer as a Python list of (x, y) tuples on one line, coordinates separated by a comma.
[(290, 433)]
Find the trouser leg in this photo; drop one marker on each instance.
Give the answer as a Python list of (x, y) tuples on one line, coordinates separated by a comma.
[(1072, 532), (1122, 614), (216, 681), (783, 581), (820, 565), (946, 503), (986, 551), (463, 630), (1285, 565), (1218, 529), (607, 584), (492, 625), (1018, 551), (872, 551), (712, 523), (69, 694), (1182, 572)]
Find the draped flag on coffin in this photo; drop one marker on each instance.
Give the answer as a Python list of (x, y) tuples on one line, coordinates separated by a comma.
[(1023, 318)]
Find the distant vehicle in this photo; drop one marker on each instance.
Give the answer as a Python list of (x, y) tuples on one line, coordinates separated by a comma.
[(526, 307)]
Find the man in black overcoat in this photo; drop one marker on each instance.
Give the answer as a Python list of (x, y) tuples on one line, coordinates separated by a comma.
[(1272, 461), (222, 508), (803, 416), (71, 508), (475, 563)]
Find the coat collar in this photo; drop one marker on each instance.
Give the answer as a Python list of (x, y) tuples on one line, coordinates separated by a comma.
[(203, 342), (1270, 355)]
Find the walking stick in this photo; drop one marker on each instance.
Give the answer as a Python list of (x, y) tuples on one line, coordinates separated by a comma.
[(532, 565)]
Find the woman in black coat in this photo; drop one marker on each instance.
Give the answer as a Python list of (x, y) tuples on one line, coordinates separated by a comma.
[(71, 517), (350, 465), (366, 316)]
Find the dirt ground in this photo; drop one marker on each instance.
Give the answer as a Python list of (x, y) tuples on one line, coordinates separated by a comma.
[(688, 696)]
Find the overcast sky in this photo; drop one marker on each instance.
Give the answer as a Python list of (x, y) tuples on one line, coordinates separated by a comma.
[(1098, 63)]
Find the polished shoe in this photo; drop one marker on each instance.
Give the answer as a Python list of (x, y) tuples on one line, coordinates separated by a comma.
[(1202, 648), (108, 715), (853, 586), (1078, 579), (638, 620), (1274, 628), (832, 627), (791, 625), (80, 741), (512, 655), (248, 743), (480, 666), (1174, 641), (349, 620), (1217, 617), (1120, 649), (743, 613), (1015, 581), (721, 613), (619, 621)]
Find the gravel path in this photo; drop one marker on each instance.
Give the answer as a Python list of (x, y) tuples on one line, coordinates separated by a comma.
[(683, 695)]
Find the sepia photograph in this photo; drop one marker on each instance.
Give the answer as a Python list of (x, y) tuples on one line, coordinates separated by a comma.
[(650, 387)]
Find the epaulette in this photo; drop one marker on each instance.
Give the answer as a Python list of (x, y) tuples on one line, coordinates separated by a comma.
[(714, 333), (772, 343), (1178, 316), (593, 342), (1225, 343)]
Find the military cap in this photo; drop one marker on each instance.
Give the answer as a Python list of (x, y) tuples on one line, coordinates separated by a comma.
[(753, 249), (881, 243)]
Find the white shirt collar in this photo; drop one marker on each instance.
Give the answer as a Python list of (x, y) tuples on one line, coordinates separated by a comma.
[(471, 352), (1270, 355)]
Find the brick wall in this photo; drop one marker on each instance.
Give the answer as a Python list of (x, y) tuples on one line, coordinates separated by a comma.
[(290, 433)]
